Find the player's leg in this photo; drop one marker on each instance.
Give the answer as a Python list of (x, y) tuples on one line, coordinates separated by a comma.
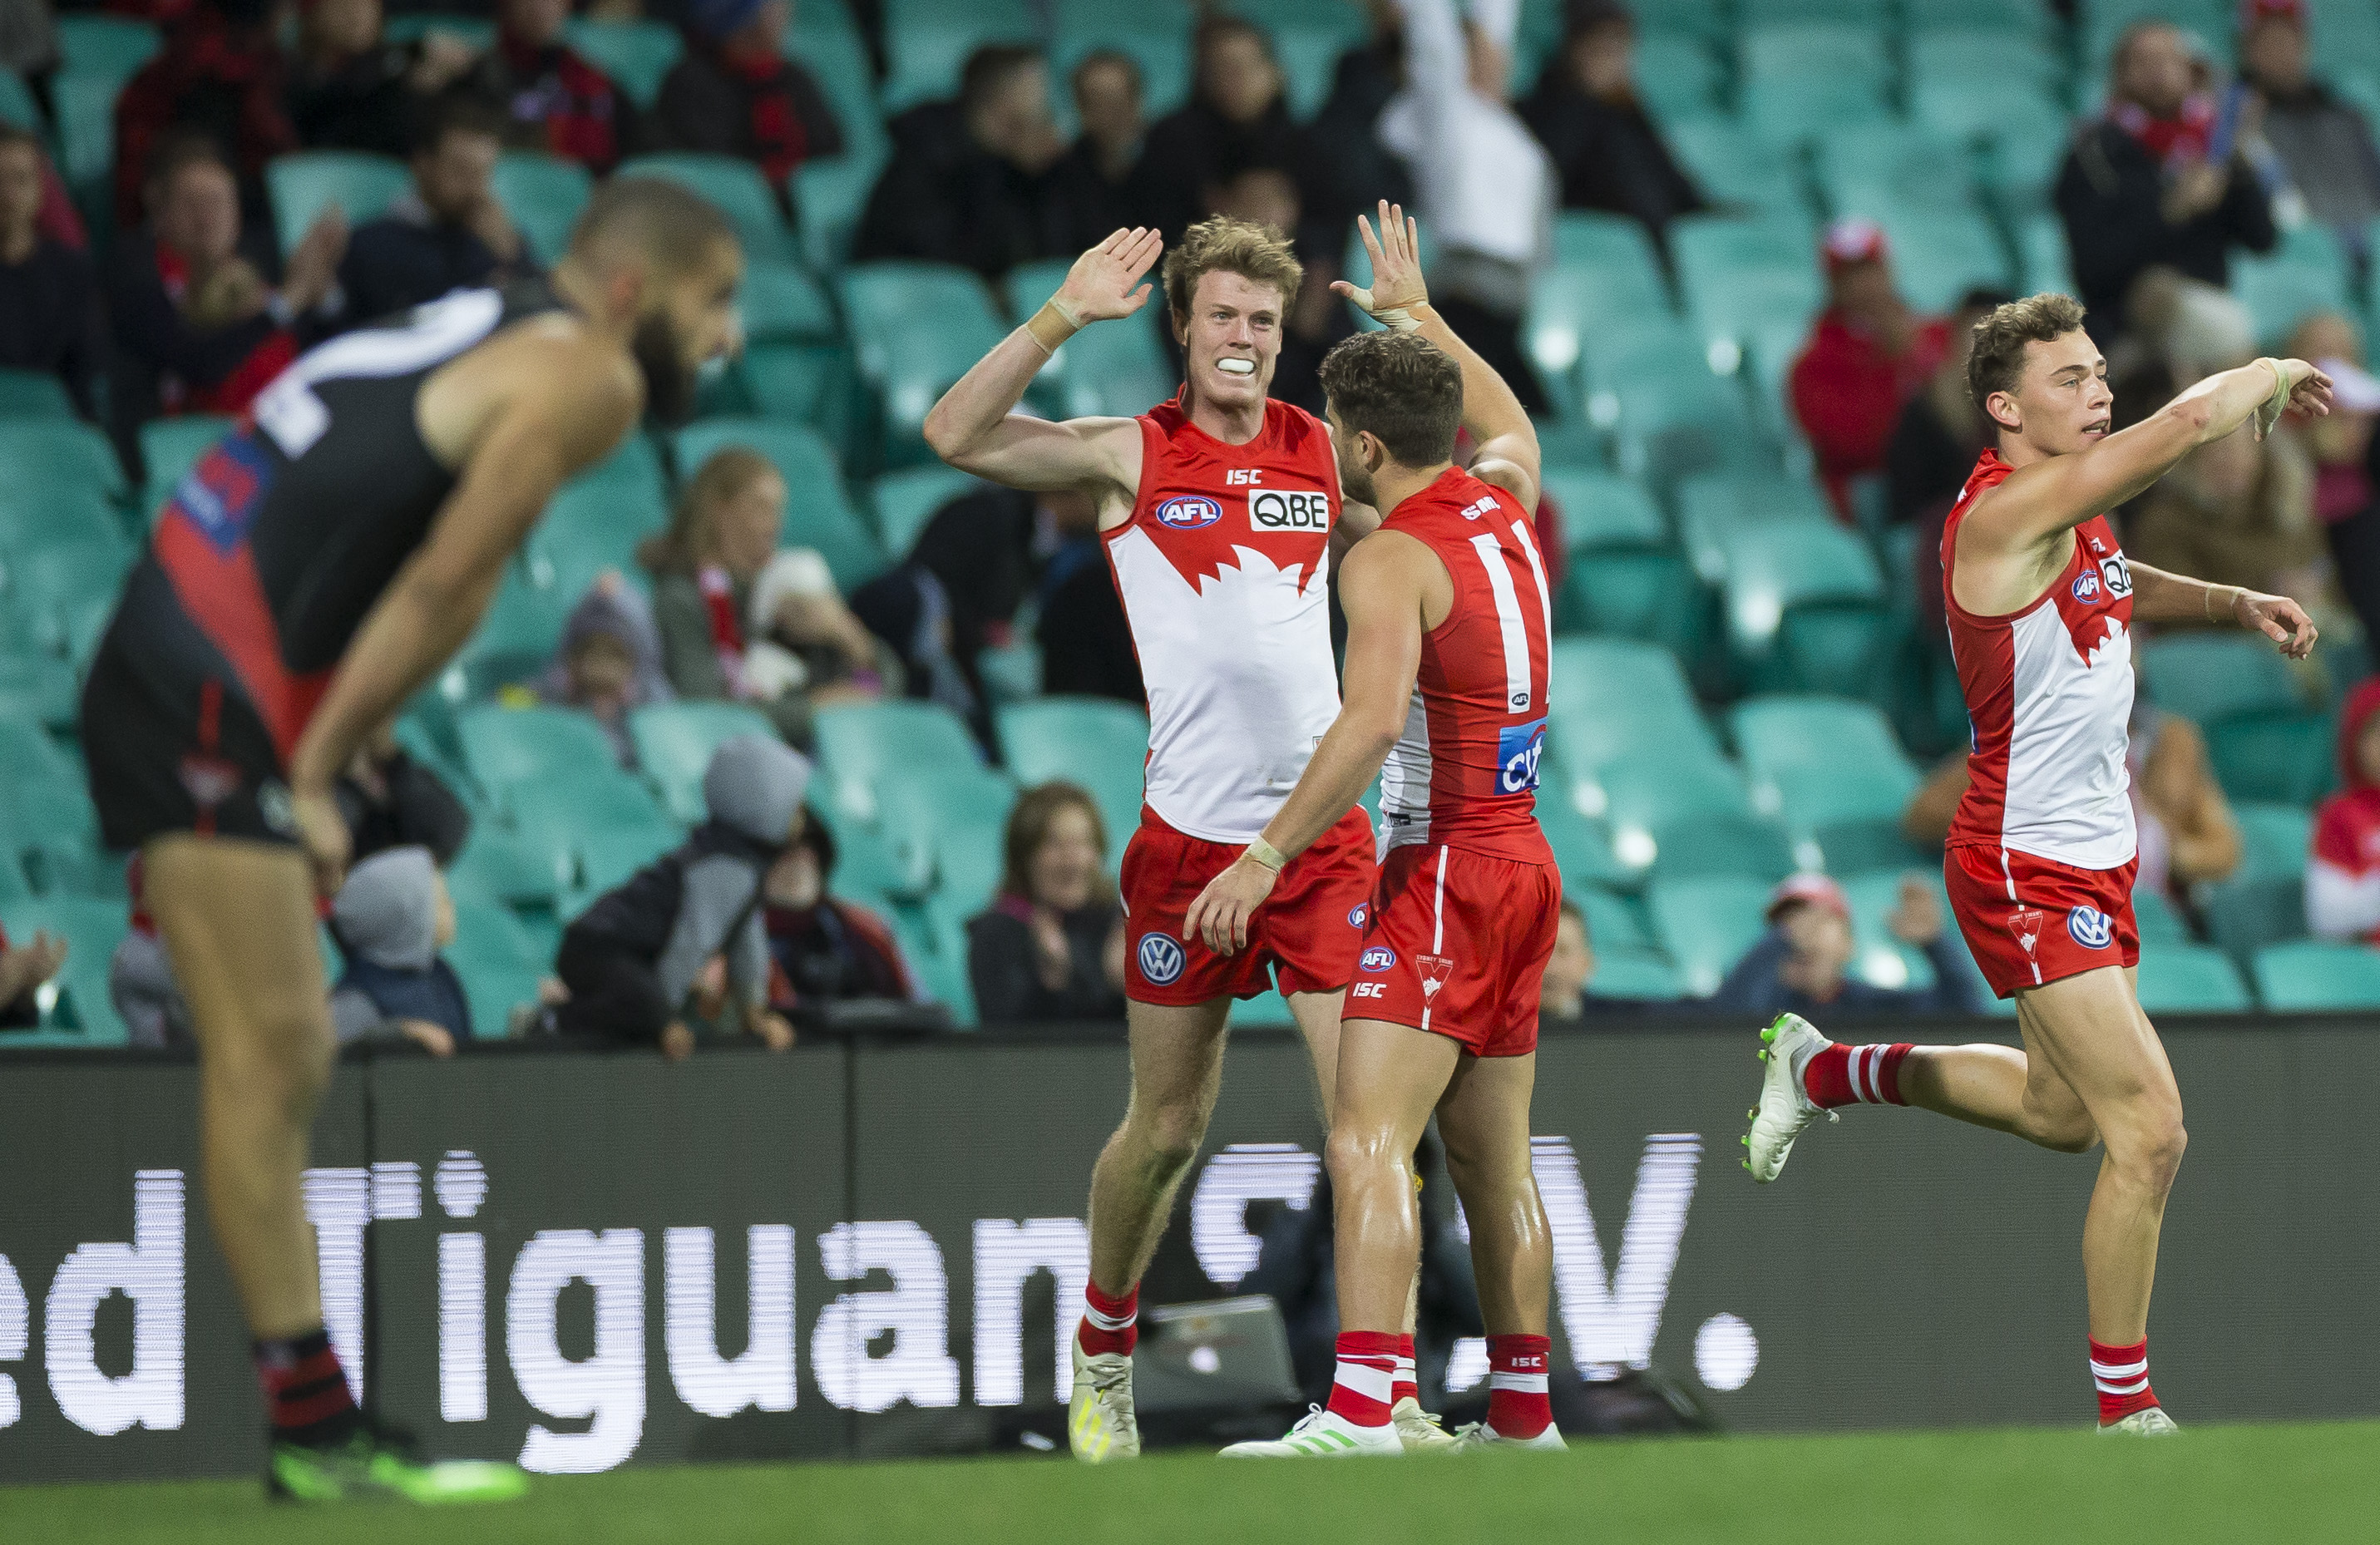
[(1484, 1118), (1317, 1021)]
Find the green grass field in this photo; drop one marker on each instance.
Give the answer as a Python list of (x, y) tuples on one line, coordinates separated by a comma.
[(2235, 1484)]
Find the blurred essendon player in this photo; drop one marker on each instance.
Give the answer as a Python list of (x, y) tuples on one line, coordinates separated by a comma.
[(1449, 634), (1218, 510), (2041, 853)]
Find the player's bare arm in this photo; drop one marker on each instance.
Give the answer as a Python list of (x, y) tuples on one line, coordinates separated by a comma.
[(1507, 454), (975, 427), (2069, 467), (2158, 596), (527, 415), (1388, 588)]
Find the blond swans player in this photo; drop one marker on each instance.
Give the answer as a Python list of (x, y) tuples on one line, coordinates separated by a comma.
[(2041, 855), (1218, 511)]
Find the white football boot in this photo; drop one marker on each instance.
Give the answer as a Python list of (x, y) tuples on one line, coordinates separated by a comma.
[(1417, 1429), (1785, 1111), (1322, 1434), (1100, 1424), (2150, 1423), (1481, 1438)]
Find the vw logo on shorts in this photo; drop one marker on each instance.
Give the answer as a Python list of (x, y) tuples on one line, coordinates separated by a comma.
[(1379, 957), (1160, 959), (1189, 513), (2091, 928), (1358, 913)]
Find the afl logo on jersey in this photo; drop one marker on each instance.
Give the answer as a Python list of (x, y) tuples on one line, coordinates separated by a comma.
[(1189, 513), (1287, 509), (1379, 958), (2091, 928), (1518, 750), (2087, 587), (1160, 959), (2118, 576)]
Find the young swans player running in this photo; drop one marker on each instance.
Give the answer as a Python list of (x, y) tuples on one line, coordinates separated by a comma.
[(1218, 510), (1448, 630), (2041, 853)]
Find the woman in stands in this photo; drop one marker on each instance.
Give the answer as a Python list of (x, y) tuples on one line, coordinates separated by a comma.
[(1051, 944)]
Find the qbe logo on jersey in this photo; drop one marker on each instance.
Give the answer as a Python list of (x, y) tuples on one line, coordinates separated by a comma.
[(2116, 575), (1520, 749), (2091, 928), (1288, 510)]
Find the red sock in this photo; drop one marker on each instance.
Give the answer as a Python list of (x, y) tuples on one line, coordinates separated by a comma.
[(1367, 1371), (2121, 1374), (1405, 1388), (1111, 1324), (1517, 1404), (304, 1389), (1841, 1074)]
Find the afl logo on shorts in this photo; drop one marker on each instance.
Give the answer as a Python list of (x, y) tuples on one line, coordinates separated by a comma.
[(1160, 959), (1518, 750), (2087, 587), (1379, 958), (1282, 509), (1358, 914), (2091, 928), (1188, 514)]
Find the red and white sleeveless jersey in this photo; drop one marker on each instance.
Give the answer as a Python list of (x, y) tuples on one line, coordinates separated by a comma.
[(1465, 771), (2049, 694), (1224, 572)]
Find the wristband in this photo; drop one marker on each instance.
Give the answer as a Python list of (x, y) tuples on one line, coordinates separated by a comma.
[(1266, 854), (2269, 412), (1053, 324)]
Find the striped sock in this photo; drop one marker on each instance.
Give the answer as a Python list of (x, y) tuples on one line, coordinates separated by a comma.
[(1405, 1387), (2121, 1376), (1836, 1075), (306, 1389), (1110, 1325), (1367, 1371), (1517, 1404)]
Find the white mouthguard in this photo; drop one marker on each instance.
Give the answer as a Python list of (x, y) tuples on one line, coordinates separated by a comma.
[(1236, 367)]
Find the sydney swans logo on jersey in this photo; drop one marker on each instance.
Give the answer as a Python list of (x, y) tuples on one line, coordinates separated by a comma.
[(1518, 750), (1160, 959), (2091, 928), (1288, 510), (1191, 512)]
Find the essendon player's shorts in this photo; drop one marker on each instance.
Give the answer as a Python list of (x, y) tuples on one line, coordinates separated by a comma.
[(2029, 921), (1309, 928), (169, 741), (1458, 947)]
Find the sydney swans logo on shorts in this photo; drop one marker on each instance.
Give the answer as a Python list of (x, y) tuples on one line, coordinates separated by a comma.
[(2091, 928), (1518, 750), (1288, 510), (1160, 959), (1358, 913), (1189, 513), (1379, 958)]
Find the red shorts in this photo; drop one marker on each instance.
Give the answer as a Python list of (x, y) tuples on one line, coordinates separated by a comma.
[(1458, 947), (1309, 928), (2029, 921)]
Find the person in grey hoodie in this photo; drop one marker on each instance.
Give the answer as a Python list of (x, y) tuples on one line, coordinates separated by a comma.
[(610, 662), (391, 920), (639, 959)]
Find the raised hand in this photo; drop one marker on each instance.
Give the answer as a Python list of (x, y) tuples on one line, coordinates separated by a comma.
[(2308, 393), (1397, 283), (1101, 285)]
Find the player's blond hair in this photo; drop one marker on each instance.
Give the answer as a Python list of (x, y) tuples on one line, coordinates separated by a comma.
[(1261, 255)]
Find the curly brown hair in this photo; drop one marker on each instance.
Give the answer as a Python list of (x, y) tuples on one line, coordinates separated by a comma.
[(1999, 360), (1261, 255)]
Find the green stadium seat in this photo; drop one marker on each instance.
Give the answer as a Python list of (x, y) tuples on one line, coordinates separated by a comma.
[(86, 116), (169, 447), (305, 183), (502, 866), (1831, 770), (1706, 923), (107, 47), (28, 756), (1582, 848), (608, 856), (1266, 1008), (1574, 304), (906, 501), (2026, 157), (825, 40), (865, 748), (33, 394), (1162, 52), (2310, 976), (494, 931), (514, 641), (829, 192), (1614, 920), (1941, 253), (2157, 921), (48, 454), (493, 986), (1309, 58), (635, 55), (54, 582), (564, 811), (818, 512), (1633, 975), (544, 195), (636, 462), (1095, 742), (1879, 957), (2309, 272), (2208, 677), (1609, 698), (1733, 166), (927, 43), (1624, 576), (782, 303), (2027, 18), (1677, 77), (959, 813), (674, 742), (738, 189), (1969, 109), (1115, 370), (872, 867), (2041, 251), (918, 327), (1805, 607), (1719, 256), (38, 686), (1876, 169), (1793, 111), (802, 382), (35, 516), (2283, 758), (504, 747), (1714, 506), (17, 103), (1679, 812), (589, 528), (2262, 902)]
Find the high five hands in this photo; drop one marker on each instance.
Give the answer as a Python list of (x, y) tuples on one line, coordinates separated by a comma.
[(1100, 286), (1397, 287)]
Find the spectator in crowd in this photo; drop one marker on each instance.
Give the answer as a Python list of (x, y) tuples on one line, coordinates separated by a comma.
[(2340, 446), (1562, 995), (610, 662), (1348, 169), (633, 962), (23, 969), (968, 182), (1931, 454), (1800, 965), (2321, 142), (1605, 147), (1087, 648), (2342, 882), (1237, 117), (1093, 182), (28, 46), (390, 800), (736, 94), (1052, 946), (391, 920), (823, 948), (1869, 354), (553, 100), (49, 297), (2152, 182), (2237, 511), (197, 329), (447, 232), (220, 75), (351, 88)]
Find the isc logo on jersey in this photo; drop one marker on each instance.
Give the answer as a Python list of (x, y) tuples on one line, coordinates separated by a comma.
[(1518, 750), (1288, 510), (1188, 513)]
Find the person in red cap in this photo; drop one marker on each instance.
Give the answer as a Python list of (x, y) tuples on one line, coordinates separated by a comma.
[(1801, 965), (2319, 140), (1867, 355), (2342, 884)]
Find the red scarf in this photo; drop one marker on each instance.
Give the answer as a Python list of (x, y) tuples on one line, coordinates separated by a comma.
[(237, 390), (779, 142), (576, 103), (727, 626), (2175, 141)]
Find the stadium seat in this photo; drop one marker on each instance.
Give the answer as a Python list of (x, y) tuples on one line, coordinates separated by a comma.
[(2309, 272), (2309, 975), (1095, 742), (929, 40), (609, 855), (17, 103), (1623, 576), (1787, 111), (86, 116), (493, 984), (906, 501), (2262, 901), (959, 814), (635, 55), (514, 641), (2041, 251), (91, 929), (587, 528), (544, 195), (829, 192), (782, 303), (2211, 677), (823, 38), (1943, 50), (1831, 770), (566, 809), (1706, 923), (1972, 109), (1713, 508), (872, 867), (33, 394), (48, 454), (57, 582), (1878, 169), (1614, 920), (1677, 77), (2158, 922), (1733, 166), (674, 742), (2190, 978), (305, 183), (503, 746), (918, 327), (1633, 975), (739, 191), (29, 757), (818, 512), (1579, 300), (2283, 758), (1938, 254), (1162, 52), (502, 866), (1608, 698), (33, 515), (802, 382), (169, 447), (108, 47), (1805, 607), (863, 748), (1679, 813)]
